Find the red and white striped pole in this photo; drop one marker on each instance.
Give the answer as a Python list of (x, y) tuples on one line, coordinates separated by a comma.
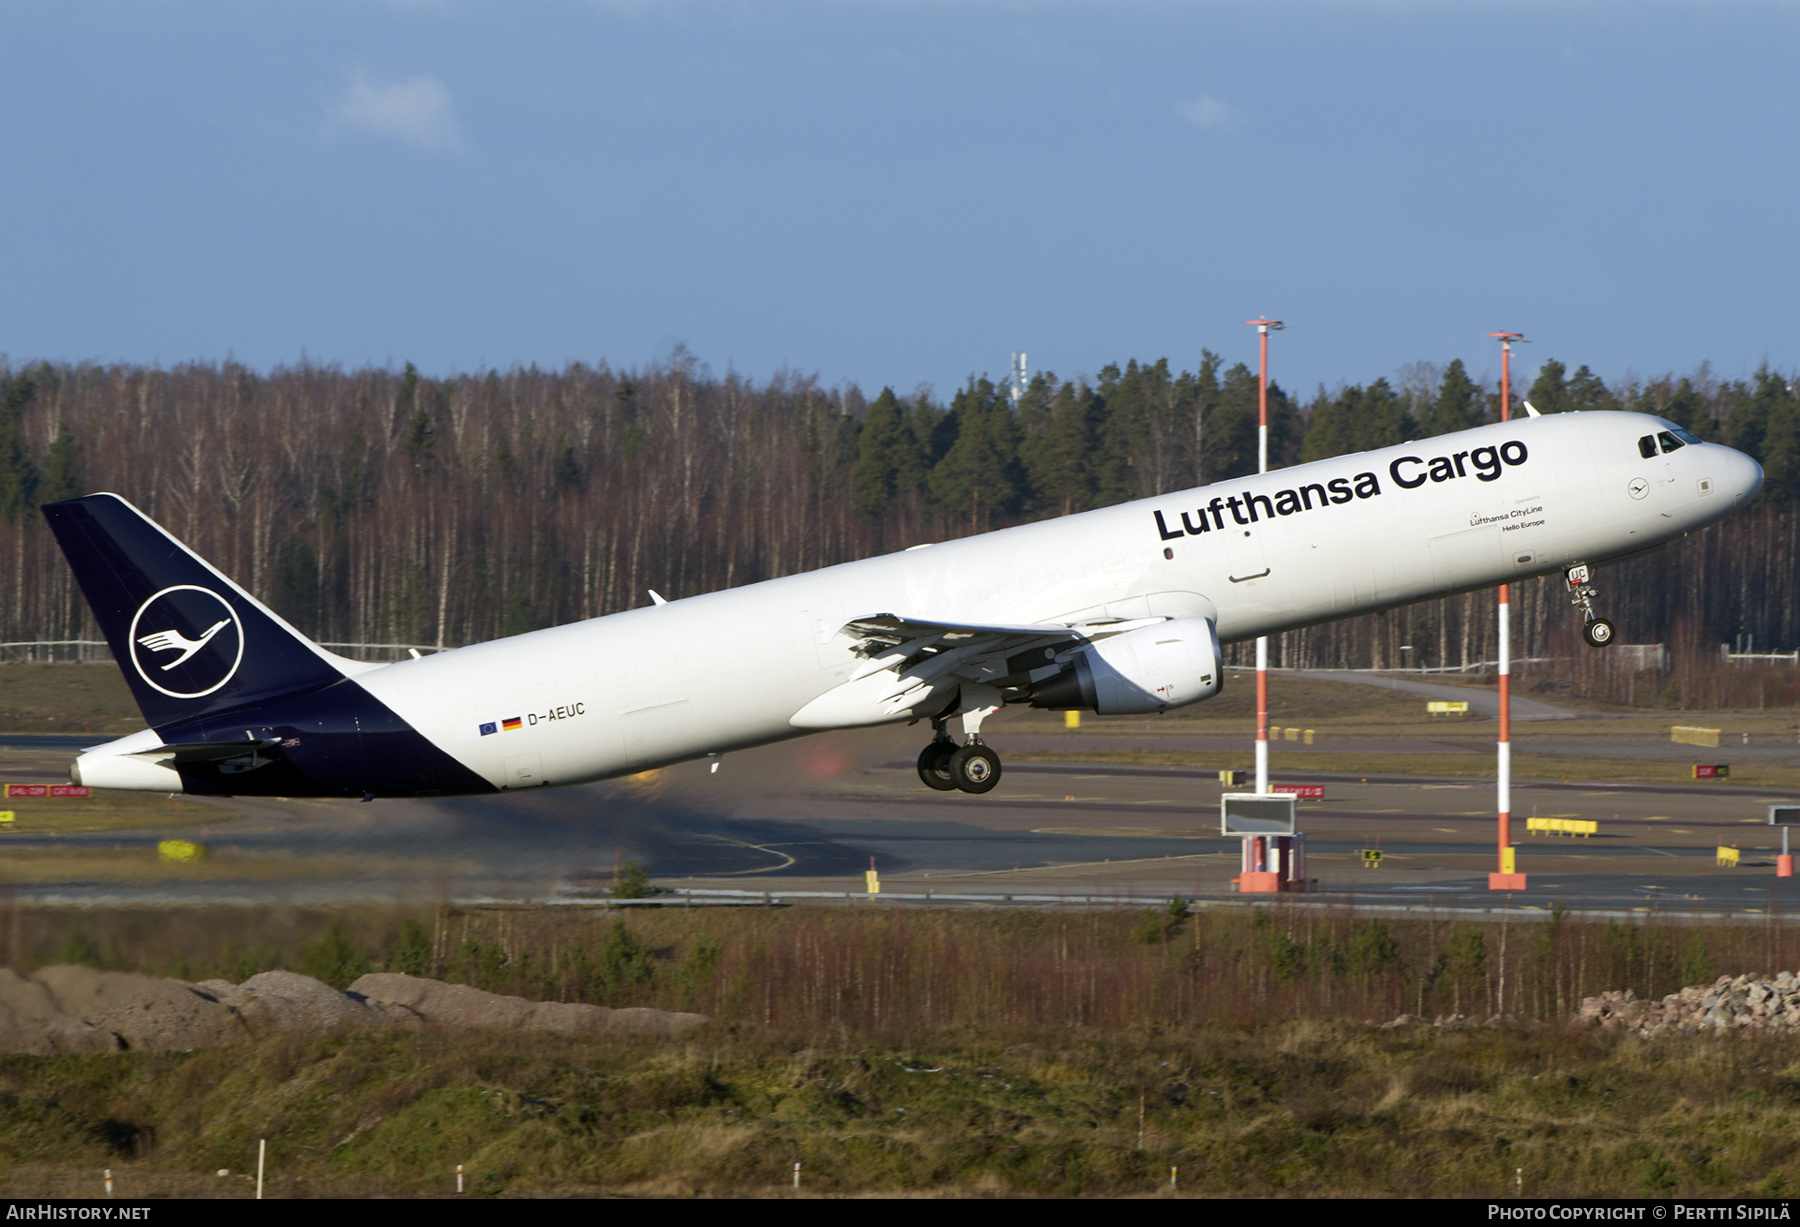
[(1507, 878), (1263, 328)]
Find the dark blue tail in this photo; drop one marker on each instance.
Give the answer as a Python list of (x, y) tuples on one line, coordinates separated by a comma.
[(190, 642)]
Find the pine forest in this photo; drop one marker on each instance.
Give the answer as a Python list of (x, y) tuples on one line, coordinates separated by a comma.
[(382, 506)]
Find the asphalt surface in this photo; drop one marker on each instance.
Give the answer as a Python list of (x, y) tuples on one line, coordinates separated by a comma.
[(1482, 702), (810, 816)]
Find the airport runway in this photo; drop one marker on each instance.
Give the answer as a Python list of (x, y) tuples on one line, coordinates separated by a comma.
[(808, 816)]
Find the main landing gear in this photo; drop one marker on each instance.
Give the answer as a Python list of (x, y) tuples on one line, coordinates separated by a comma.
[(1596, 630), (945, 766)]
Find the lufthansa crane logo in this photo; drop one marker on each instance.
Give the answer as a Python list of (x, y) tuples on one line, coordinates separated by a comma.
[(186, 641)]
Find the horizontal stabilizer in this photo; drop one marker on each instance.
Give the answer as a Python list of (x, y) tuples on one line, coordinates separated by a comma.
[(185, 752)]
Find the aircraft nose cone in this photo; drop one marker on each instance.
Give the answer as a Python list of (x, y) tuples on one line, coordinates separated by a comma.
[(1744, 477)]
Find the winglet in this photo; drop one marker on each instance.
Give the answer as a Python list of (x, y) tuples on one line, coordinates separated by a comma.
[(657, 597), (1531, 409)]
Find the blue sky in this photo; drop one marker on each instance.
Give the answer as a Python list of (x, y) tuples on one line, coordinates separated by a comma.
[(895, 192)]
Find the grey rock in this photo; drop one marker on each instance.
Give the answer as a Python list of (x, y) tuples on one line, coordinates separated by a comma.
[(146, 1013), (457, 1005), (285, 1001), (30, 1021)]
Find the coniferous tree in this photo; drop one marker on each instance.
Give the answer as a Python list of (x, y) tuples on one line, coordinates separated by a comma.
[(1205, 396), (62, 477), (1331, 425), (18, 475), (559, 495), (1588, 392), (1357, 420), (887, 458), (1125, 468), (1765, 424), (979, 482), (1060, 465), (1550, 390), (1383, 418), (1457, 405), (1232, 447)]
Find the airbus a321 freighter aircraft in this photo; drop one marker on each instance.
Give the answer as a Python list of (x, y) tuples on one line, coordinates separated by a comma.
[(1120, 610)]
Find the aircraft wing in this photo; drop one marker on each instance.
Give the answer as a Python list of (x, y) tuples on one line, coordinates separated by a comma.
[(914, 665), (892, 630), (884, 632)]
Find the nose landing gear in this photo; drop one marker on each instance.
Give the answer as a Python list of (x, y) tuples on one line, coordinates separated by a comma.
[(1596, 630)]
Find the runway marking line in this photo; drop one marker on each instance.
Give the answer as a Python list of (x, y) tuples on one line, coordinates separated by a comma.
[(736, 873), (1065, 866), (1127, 832)]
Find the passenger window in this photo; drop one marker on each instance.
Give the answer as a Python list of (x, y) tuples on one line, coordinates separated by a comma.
[(1647, 446), (1669, 441)]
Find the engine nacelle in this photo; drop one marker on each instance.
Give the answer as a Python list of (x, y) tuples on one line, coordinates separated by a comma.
[(1147, 670)]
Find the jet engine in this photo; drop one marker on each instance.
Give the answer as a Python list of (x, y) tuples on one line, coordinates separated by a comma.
[(1150, 669)]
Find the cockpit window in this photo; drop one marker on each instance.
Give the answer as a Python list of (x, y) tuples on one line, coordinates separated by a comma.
[(1669, 442), (1684, 436), (1647, 446)]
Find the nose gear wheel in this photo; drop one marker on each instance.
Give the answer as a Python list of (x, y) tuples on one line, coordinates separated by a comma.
[(1598, 632)]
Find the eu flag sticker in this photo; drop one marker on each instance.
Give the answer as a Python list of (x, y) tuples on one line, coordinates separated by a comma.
[(489, 727)]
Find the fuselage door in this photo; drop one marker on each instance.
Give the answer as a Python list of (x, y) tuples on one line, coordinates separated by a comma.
[(656, 733), (1244, 550)]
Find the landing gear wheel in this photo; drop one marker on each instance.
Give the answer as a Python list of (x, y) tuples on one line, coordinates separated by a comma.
[(934, 765), (975, 768), (1599, 633)]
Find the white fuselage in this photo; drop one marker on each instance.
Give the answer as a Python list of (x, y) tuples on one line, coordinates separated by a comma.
[(730, 669)]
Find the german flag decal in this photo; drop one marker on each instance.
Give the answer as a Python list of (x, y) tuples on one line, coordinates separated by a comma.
[(510, 724)]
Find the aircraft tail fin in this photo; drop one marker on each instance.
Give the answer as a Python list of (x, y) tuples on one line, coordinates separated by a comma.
[(190, 642)]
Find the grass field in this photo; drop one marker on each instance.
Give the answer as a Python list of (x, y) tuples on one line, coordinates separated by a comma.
[(106, 810), (70, 698), (1281, 1108), (932, 1053)]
